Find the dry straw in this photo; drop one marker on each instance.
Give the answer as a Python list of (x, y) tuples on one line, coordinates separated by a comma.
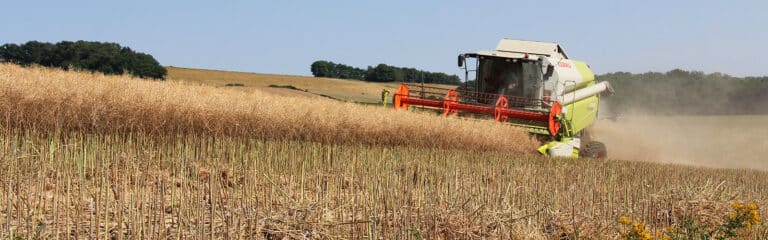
[(53, 100)]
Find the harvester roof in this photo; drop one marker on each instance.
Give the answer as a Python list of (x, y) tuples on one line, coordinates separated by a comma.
[(513, 48)]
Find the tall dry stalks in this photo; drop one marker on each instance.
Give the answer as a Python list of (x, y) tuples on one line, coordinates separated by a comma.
[(44, 99)]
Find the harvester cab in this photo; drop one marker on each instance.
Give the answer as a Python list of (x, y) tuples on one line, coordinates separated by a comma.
[(527, 84)]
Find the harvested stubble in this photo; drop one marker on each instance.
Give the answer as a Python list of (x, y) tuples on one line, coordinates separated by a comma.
[(53, 100), (110, 186)]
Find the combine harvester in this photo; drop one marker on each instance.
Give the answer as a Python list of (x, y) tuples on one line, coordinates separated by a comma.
[(527, 84)]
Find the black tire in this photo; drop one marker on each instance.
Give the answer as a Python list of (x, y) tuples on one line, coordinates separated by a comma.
[(594, 149)]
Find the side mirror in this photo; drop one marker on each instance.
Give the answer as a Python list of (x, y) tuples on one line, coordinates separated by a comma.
[(461, 60), (547, 69), (550, 70)]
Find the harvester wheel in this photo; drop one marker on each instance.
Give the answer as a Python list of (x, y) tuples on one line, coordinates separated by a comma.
[(594, 149), (399, 97), (554, 121), (451, 98), (498, 112)]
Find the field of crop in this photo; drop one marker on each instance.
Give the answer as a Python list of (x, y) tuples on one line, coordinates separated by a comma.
[(346, 90), (88, 156)]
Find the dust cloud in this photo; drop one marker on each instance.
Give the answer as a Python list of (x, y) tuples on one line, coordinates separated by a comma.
[(724, 141)]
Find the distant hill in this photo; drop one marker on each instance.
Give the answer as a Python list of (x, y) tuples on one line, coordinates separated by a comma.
[(680, 92)]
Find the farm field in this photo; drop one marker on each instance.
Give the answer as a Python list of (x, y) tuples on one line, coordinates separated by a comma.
[(90, 156), (341, 89)]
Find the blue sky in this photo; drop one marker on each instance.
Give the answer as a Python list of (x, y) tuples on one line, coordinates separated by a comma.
[(285, 37)]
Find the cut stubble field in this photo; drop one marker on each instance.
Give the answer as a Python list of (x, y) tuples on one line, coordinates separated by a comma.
[(90, 156)]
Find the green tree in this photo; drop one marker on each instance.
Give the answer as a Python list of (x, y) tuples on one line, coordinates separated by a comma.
[(380, 73), (686, 92), (144, 65), (322, 69), (108, 58)]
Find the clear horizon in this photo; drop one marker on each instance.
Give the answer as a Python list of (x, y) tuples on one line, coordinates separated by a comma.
[(285, 37)]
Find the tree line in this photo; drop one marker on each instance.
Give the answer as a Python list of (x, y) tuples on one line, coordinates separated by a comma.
[(381, 73), (108, 58), (686, 92)]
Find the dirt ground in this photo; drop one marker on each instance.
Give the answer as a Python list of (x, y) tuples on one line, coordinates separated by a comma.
[(710, 141)]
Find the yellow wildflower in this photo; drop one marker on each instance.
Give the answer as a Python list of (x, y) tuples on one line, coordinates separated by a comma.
[(747, 214), (660, 235), (625, 220), (636, 229)]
